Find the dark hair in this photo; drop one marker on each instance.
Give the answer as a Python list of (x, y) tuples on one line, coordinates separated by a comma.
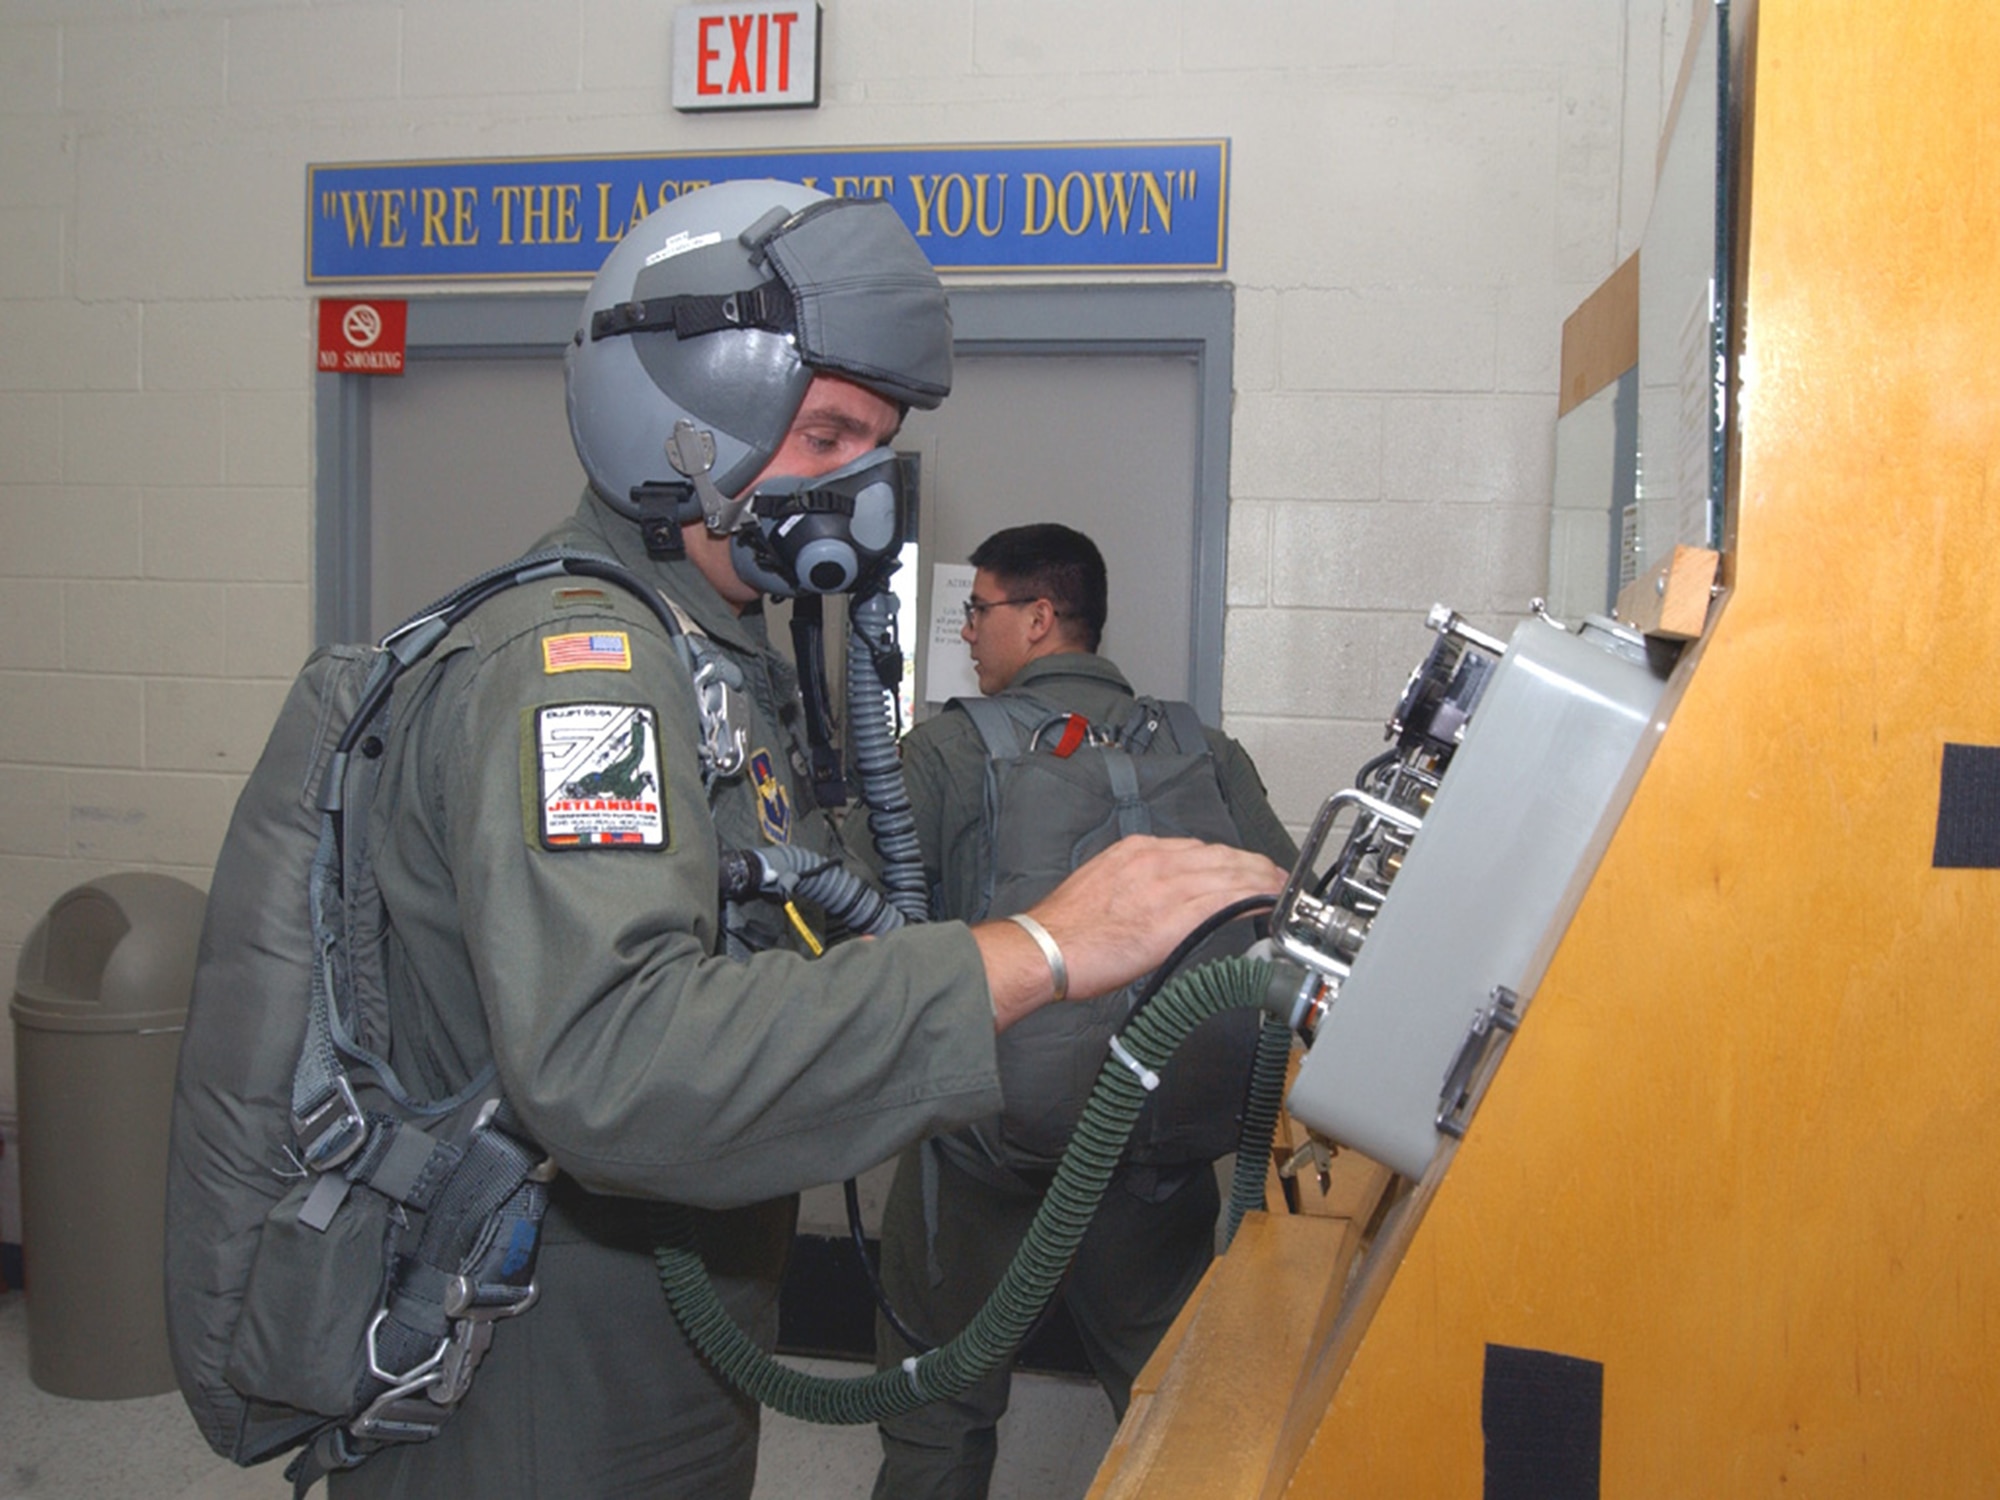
[(1054, 563)]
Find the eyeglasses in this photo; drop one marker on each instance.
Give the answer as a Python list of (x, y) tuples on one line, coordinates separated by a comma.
[(974, 608)]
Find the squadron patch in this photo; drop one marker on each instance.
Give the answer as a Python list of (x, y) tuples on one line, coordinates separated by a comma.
[(774, 808), (600, 784), (587, 651)]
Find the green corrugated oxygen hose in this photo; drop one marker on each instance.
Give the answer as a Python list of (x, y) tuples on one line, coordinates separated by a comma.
[(1058, 1227), (1260, 1119)]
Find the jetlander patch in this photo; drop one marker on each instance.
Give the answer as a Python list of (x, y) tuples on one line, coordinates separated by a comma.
[(600, 776)]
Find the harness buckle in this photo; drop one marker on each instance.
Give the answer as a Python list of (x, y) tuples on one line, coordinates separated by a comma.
[(418, 1399), (334, 1131), (472, 1333)]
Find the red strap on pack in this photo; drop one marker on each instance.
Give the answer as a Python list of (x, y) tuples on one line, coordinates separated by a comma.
[(1076, 729)]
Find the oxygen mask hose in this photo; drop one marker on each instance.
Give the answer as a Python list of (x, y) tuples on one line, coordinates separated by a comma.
[(871, 715), (996, 1330), (783, 871), (1260, 1123), (1267, 1070)]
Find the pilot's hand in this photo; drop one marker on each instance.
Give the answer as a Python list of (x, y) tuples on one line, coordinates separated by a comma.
[(1117, 917)]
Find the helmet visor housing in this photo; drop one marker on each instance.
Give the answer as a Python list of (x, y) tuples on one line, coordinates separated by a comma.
[(718, 310)]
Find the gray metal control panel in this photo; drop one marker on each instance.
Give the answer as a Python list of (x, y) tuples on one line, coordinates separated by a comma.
[(1466, 850)]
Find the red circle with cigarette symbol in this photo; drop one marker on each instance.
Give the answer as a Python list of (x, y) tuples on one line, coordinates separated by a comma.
[(362, 325)]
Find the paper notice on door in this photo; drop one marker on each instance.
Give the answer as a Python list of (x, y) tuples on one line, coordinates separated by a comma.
[(947, 659)]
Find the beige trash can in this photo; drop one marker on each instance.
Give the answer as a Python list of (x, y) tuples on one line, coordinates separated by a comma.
[(100, 1000)]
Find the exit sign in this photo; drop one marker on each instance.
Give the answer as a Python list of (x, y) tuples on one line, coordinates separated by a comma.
[(746, 57)]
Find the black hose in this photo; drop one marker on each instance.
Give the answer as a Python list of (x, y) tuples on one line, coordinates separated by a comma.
[(860, 1238), (1202, 932)]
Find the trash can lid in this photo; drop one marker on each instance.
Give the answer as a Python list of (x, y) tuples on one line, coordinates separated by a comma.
[(114, 954)]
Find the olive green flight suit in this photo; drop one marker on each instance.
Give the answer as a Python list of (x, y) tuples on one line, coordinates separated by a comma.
[(954, 1219), (647, 1067)]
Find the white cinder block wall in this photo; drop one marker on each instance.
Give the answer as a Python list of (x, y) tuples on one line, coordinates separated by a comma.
[(1421, 193)]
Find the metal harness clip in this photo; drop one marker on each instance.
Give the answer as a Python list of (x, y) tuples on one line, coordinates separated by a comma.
[(442, 1378), (723, 747), (471, 1333)]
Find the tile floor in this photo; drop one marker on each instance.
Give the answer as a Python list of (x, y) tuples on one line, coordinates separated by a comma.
[(57, 1449)]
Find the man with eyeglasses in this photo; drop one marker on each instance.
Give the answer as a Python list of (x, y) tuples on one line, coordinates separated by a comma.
[(961, 1203)]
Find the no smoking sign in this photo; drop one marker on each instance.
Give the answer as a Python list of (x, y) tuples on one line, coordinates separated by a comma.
[(362, 338)]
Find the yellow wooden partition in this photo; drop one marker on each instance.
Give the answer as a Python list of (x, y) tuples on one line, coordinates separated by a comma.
[(1746, 1149)]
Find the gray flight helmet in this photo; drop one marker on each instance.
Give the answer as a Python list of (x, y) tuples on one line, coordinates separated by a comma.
[(706, 324)]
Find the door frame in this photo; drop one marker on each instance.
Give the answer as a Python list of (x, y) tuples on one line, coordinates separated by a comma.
[(1194, 320)]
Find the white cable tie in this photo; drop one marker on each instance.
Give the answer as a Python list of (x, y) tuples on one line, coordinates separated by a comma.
[(910, 1369), (1146, 1076)]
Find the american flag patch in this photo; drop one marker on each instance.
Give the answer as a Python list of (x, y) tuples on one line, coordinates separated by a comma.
[(605, 651)]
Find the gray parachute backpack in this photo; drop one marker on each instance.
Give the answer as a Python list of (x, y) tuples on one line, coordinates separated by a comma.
[(337, 1249), (1058, 790)]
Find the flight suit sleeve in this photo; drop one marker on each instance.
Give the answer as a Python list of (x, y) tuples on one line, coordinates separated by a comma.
[(643, 1064)]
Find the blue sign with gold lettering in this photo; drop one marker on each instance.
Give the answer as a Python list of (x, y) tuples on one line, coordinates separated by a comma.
[(1116, 206)]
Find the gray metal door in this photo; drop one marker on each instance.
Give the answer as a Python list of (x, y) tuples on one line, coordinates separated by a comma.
[(1102, 443), (471, 461), (1107, 407)]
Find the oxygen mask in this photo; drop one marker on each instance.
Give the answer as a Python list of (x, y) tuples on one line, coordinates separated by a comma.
[(835, 533)]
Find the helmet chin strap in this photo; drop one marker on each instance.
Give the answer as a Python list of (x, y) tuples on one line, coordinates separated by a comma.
[(691, 450)]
